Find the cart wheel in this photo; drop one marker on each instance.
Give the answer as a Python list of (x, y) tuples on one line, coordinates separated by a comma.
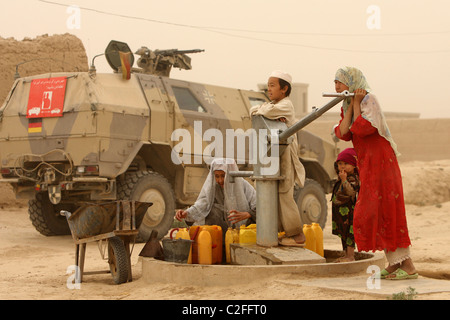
[(117, 259)]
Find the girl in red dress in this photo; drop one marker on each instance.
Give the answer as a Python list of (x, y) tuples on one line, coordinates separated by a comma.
[(379, 216)]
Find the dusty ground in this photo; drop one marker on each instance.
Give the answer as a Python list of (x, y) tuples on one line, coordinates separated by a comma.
[(34, 267)]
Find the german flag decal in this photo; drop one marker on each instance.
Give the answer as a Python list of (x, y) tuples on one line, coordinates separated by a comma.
[(34, 125)]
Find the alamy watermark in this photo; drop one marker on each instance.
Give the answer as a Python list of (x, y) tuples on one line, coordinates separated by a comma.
[(373, 282), (74, 279), (373, 22), (74, 19), (251, 146)]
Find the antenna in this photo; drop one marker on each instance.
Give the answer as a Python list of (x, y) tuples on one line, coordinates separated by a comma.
[(17, 75)]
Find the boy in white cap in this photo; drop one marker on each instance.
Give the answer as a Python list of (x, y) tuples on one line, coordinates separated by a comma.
[(281, 108)]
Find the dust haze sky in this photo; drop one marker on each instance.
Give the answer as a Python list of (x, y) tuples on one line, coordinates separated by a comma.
[(405, 54)]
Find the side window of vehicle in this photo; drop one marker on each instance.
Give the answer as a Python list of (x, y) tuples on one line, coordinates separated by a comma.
[(186, 100)]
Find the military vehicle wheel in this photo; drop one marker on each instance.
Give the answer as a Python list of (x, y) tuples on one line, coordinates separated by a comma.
[(45, 216), (148, 186), (312, 203), (118, 260)]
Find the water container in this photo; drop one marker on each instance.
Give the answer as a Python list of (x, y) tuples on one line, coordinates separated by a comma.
[(176, 250), (235, 236), (247, 235), (318, 233), (204, 247), (184, 234), (217, 242), (231, 236), (310, 237)]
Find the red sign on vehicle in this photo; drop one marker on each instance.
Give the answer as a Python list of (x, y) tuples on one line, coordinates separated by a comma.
[(46, 97)]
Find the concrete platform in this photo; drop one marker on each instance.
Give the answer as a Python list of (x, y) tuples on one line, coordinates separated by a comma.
[(253, 254), (156, 271)]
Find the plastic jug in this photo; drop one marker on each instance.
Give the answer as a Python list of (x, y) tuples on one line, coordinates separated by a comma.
[(310, 237), (217, 242), (204, 247), (236, 236), (247, 235), (184, 234), (318, 233), (231, 236)]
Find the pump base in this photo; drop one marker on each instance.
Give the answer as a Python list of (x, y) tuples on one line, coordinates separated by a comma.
[(252, 254)]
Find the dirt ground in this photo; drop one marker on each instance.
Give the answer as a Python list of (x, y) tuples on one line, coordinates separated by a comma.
[(36, 267)]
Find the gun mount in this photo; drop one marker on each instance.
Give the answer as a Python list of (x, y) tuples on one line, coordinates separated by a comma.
[(160, 62), (156, 62)]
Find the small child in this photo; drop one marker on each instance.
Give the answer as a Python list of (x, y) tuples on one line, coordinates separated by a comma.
[(343, 202)]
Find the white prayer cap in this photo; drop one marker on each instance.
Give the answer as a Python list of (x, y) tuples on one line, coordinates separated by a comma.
[(282, 75)]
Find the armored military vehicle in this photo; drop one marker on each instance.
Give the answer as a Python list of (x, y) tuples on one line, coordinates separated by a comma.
[(67, 138)]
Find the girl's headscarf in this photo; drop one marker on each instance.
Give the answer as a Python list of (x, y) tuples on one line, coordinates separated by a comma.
[(347, 155), (354, 79)]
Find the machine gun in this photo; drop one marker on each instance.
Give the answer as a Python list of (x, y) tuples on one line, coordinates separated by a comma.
[(160, 62), (170, 52)]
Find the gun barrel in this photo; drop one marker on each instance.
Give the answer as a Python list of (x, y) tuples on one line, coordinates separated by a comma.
[(191, 51), (176, 51)]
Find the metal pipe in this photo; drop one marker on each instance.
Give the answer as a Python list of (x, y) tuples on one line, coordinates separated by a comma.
[(235, 174), (344, 93), (267, 213), (240, 173), (309, 118)]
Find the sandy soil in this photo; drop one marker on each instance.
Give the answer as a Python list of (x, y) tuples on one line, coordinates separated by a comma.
[(35, 267)]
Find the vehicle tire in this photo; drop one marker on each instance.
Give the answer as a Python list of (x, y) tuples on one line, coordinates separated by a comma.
[(118, 260), (312, 203), (45, 216), (149, 186)]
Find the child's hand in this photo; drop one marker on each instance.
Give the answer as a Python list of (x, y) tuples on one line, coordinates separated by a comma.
[(359, 95), (343, 175)]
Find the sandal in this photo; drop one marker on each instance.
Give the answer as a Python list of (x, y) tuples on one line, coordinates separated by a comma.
[(401, 274), (384, 273), (290, 242)]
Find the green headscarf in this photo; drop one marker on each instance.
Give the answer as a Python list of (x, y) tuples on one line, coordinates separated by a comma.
[(354, 79), (370, 109)]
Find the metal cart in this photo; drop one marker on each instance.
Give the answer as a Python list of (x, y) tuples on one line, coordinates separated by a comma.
[(114, 225)]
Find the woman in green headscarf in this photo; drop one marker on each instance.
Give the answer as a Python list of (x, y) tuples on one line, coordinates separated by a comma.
[(379, 221)]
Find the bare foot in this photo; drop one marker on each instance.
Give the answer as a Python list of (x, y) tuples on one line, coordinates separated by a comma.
[(392, 268), (408, 266)]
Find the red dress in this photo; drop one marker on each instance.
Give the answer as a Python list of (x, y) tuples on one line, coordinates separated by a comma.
[(379, 220)]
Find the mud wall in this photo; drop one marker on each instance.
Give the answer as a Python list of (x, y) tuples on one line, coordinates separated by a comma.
[(43, 54)]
